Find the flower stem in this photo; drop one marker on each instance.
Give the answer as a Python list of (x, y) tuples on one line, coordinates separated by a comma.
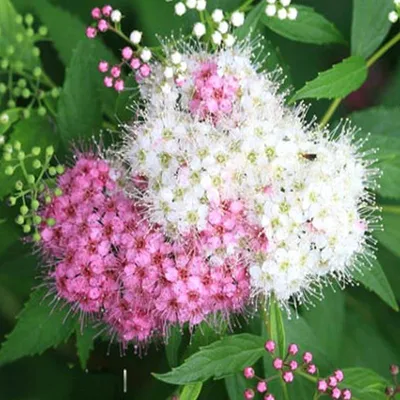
[(375, 57)]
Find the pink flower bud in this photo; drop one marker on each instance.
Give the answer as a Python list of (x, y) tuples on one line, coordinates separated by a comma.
[(108, 81), (346, 394), (107, 10), (307, 357), (236, 207), (119, 85), (91, 32), (248, 373), (145, 70), (270, 346), (116, 71), (332, 381), (394, 369), (96, 13), (103, 66), (278, 363), (389, 391), (322, 386), (262, 386), (135, 63), (339, 375), (249, 394), (293, 365), (293, 349), (336, 393), (102, 25), (288, 376), (127, 53), (312, 369), (269, 397)]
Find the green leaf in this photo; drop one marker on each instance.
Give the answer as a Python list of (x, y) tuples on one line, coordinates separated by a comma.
[(375, 280), (384, 125), (251, 21), (41, 325), (14, 114), (370, 25), (308, 27), (337, 82), (173, 345), (365, 384), (191, 392), (326, 320), (84, 342), (276, 327), (222, 358), (35, 131), (236, 385), (390, 236), (79, 114), (9, 29)]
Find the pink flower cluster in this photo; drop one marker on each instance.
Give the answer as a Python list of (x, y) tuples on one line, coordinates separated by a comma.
[(110, 261), (394, 390), (101, 21), (287, 368), (214, 94)]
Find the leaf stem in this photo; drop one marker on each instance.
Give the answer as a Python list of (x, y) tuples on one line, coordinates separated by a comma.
[(375, 57)]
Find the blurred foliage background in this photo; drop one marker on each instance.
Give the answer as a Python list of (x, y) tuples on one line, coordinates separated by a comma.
[(355, 327)]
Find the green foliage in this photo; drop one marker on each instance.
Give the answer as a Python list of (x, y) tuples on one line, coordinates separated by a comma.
[(41, 325), (276, 327), (191, 392), (79, 114), (251, 21), (390, 236), (308, 27), (235, 385), (84, 342), (14, 115), (370, 25), (173, 345), (337, 82), (222, 358)]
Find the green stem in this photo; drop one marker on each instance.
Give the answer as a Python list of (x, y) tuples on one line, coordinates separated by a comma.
[(375, 57), (392, 209), (246, 5)]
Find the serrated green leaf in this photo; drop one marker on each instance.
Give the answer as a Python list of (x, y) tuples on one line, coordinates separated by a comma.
[(364, 384), (337, 82), (308, 27), (251, 21), (84, 342), (222, 358), (384, 125), (79, 113), (35, 131), (326, 321), (370, 25), (236, 385), (191, 392), (390, 235), (40, 326), (9, 29), (375, 280), (173, 345), (276, 327)]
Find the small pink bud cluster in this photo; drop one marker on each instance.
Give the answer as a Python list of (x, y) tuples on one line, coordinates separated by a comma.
[(112, 80), (392, 391), (101, 21), (329, 386)]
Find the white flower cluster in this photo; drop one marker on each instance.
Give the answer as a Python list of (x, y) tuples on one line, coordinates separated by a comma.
[(306, 190), (394, 15), (281, 9)]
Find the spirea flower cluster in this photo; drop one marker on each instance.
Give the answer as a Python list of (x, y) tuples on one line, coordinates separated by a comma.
[(219, 195)]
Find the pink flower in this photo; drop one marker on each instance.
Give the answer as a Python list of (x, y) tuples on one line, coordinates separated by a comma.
[(346, 394), (293, 349), (96, 13), (336, 393), (262, 387), (116, 71), (293, 365), (269, 397), (145, 70), (332, 381), (107, 10), (394, 369), (288, 376), (311, 369), (307, 357), (91, 32), (322, 386), (108, 81), (135, 63), (127, 53), (102, 25), (339, 375), (103, 66), (270, 346), (249, 394), (248, 373), (277, 363)]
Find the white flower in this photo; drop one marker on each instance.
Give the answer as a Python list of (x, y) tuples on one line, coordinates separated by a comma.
[(270, 10), (4, 119), (393, 17), (271, 1), (116, 16), (136, 37), (191, 3), (201, 5), (223, 27), (199, 29), (168, 72), (229, 40), (282, 13), (217, 15), (145, 54), (216, 38), (180, 9), (397, 3), (285, 3), (292, 13), (237, 18), (176, 57)]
